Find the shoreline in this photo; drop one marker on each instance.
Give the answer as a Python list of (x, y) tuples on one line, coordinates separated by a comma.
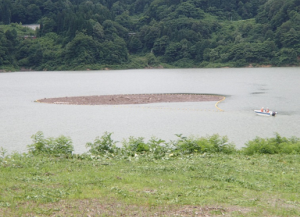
[(23, 69)]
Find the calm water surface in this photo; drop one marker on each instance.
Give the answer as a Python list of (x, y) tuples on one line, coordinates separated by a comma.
[(245, 90)]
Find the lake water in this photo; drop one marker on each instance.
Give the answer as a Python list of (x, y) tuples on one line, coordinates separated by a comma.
[(245, 89)]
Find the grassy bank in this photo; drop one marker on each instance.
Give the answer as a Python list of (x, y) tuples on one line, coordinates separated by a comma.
[(187, 177)]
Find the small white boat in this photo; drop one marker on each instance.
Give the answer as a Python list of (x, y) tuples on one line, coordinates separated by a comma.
[(265, 113)]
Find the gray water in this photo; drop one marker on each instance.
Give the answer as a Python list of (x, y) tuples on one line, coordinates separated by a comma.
[(245, 90)]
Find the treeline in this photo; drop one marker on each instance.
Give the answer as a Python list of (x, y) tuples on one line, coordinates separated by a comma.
[(191, 33)]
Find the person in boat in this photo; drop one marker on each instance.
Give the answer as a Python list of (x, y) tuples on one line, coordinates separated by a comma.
[(267, 110), (262, 109)]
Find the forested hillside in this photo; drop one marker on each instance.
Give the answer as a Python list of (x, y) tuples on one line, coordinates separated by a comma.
[(95, 34)]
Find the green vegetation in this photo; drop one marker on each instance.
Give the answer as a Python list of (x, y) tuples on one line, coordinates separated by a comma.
[(277, 145), (118, 34), (186, 177), (50, 146)]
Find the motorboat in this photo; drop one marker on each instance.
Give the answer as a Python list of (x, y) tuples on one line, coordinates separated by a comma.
[(265, 113)]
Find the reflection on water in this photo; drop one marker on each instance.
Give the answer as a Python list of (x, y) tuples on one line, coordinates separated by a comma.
[(245, 90)]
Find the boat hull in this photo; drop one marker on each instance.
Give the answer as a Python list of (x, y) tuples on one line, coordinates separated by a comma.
[(270, 113)]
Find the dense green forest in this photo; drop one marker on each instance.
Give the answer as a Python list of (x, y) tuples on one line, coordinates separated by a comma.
[(95, 34)]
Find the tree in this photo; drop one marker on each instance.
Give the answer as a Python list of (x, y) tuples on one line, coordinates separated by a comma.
[(151, 60), (18, 13), (291, 38), (172, 51), (117, 8), (29, 53), (98, 32), (149, 34), (6, 11), (124, 20), (269, 35), (110, 27), (115, 51), (287, 56), (134, 44), (4, 53), (49, 7), (189, 10), (160, 45), (33, 14), (197, 50), (47, 25), (82, 50)]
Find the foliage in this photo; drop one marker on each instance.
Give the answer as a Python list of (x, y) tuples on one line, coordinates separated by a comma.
[(210, 144), (152, 60), (102, 145), (2, 152), (178, 33), (276, 145), (137, 147), (50, 146), (155, 148)]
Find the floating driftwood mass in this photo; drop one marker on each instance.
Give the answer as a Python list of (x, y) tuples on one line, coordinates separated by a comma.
[(131, 99)]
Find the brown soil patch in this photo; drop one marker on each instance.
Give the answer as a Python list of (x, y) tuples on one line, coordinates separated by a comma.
[(131, 99), (98, 207)]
